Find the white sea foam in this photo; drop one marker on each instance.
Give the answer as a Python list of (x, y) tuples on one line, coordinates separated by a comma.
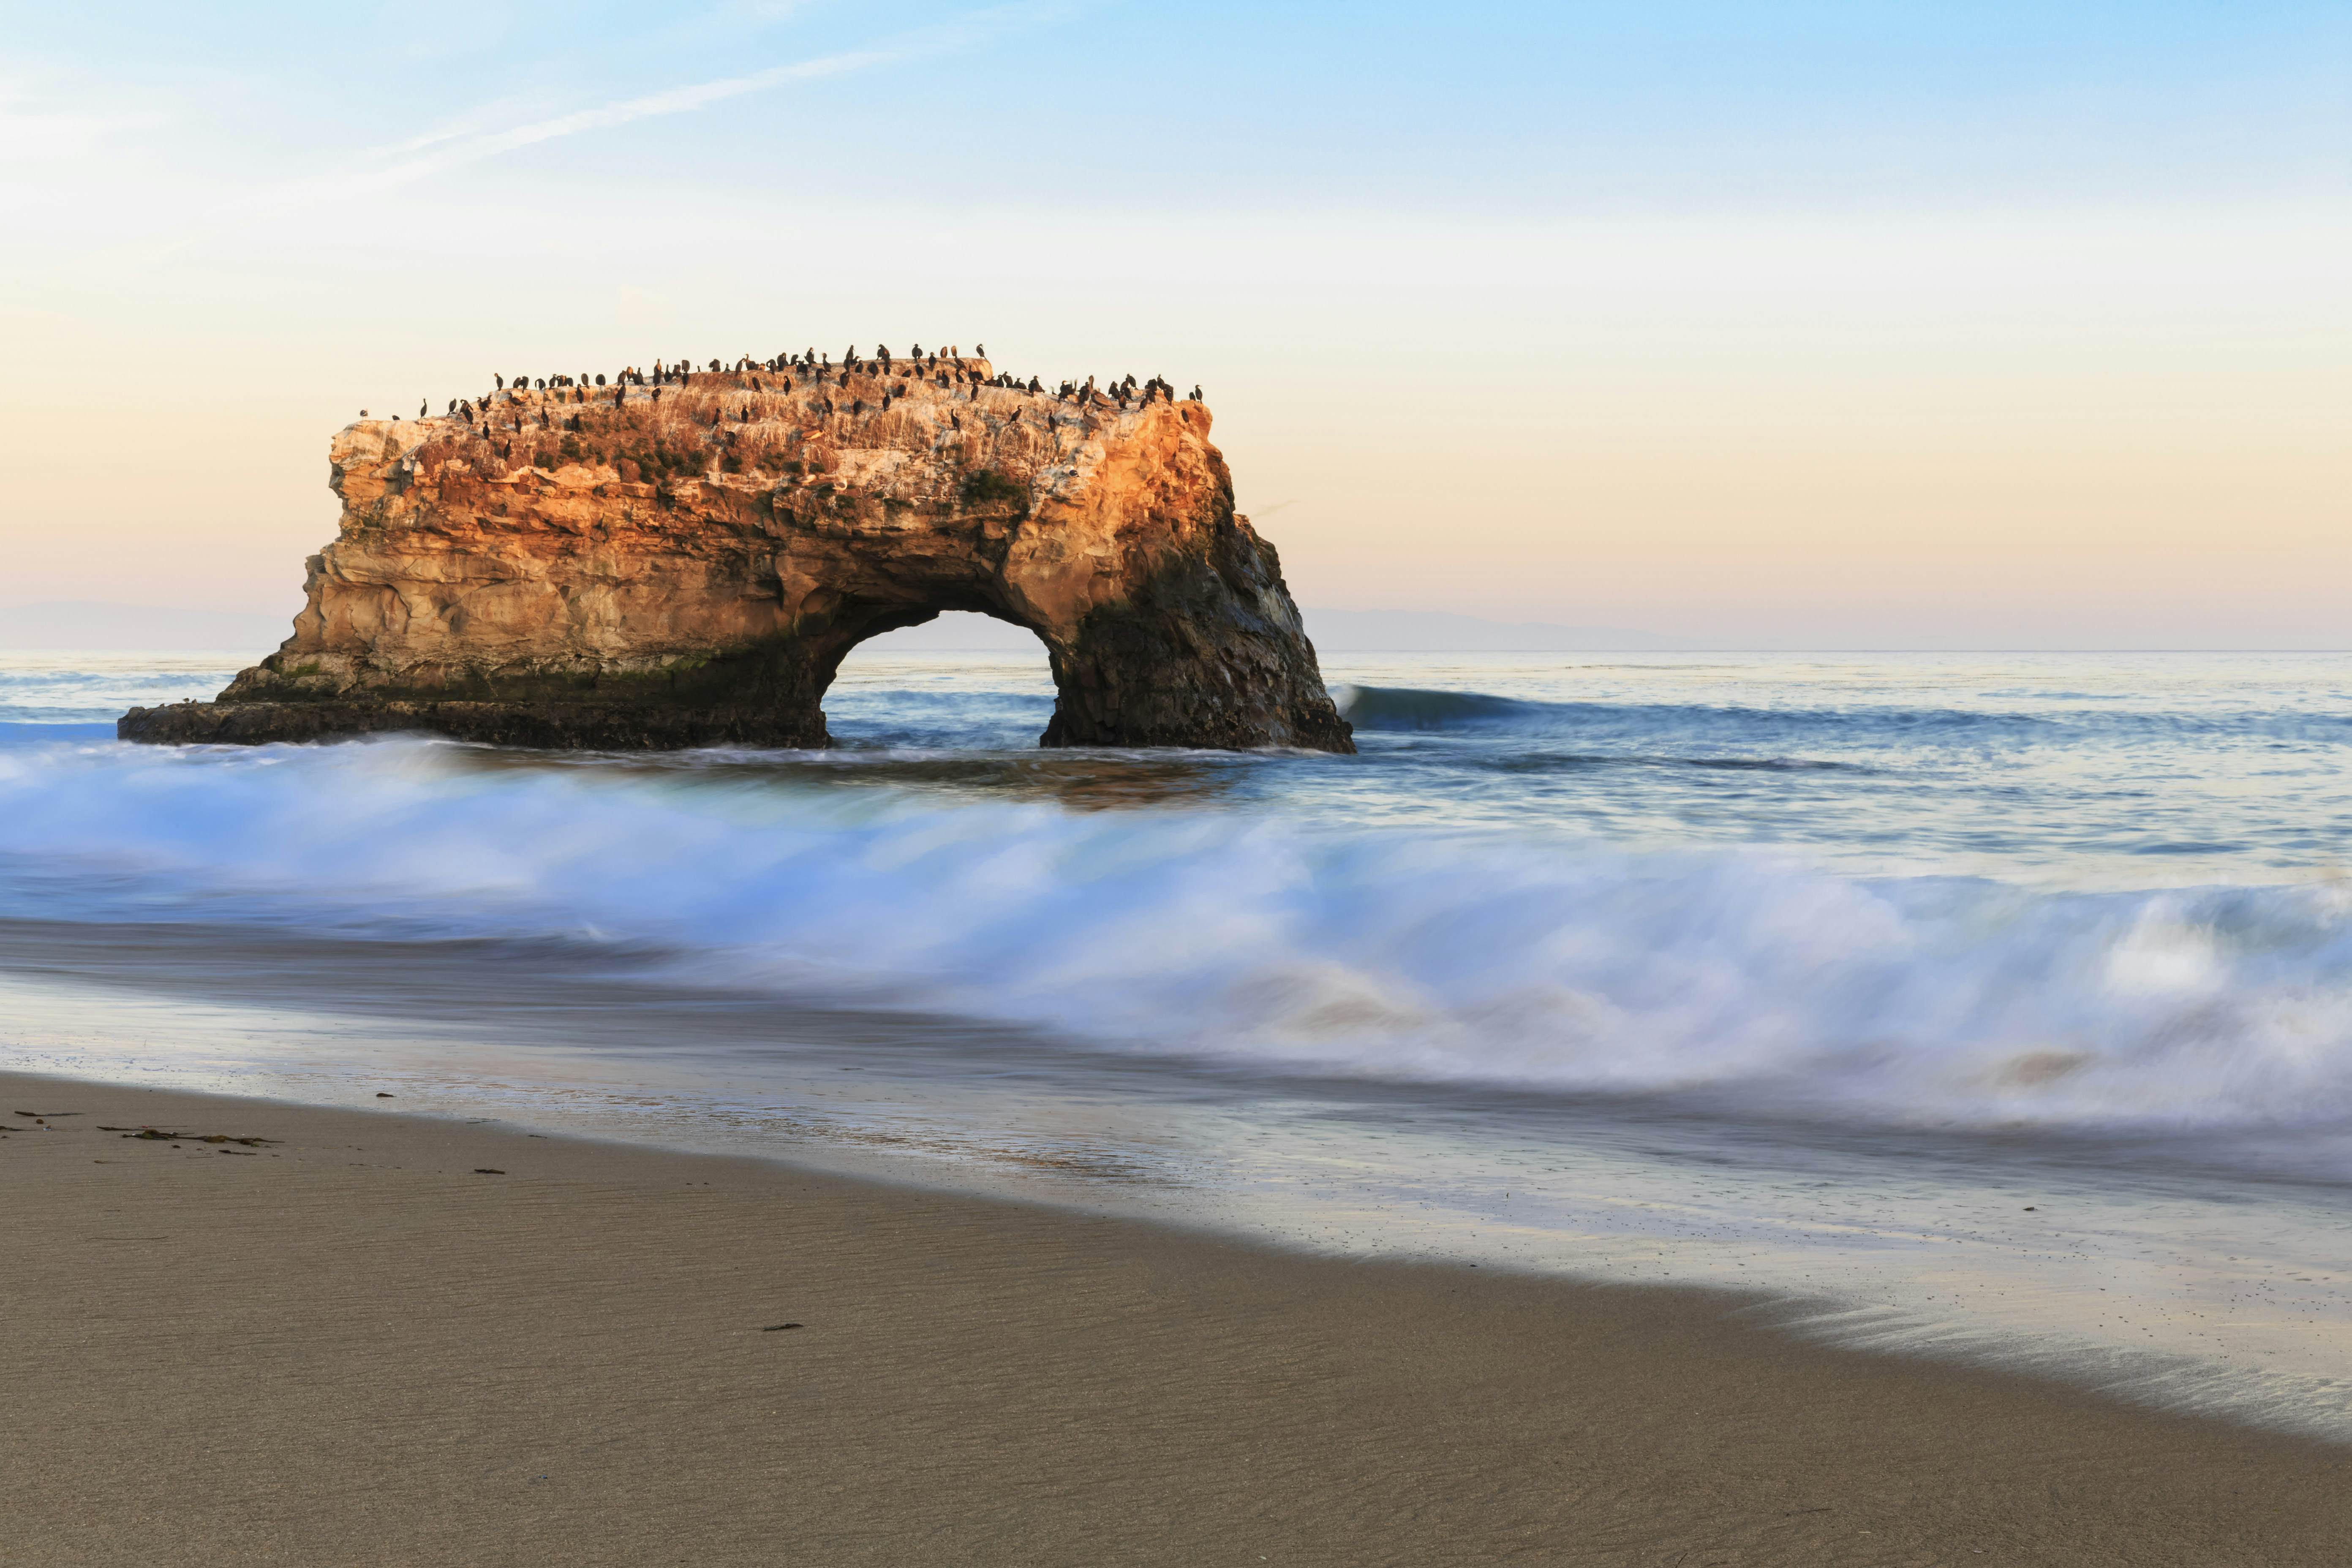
[(1498, 958)]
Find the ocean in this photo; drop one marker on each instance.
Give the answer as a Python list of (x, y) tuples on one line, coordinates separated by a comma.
[(1995, 1006)]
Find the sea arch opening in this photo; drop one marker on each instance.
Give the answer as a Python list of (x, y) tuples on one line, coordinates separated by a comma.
[(963, 679)]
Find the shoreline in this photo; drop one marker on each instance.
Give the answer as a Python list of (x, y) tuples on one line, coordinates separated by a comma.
[(394, 1339)]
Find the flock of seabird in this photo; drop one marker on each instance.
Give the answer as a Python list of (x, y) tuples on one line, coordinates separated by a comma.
[(944, 370)]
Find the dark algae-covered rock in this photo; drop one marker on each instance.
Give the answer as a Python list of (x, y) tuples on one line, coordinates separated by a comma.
[(622, 570)]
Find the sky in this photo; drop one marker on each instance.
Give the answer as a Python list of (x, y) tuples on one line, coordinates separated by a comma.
[(1772, 325)]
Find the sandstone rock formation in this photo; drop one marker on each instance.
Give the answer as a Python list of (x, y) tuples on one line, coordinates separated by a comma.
[(684, 560)]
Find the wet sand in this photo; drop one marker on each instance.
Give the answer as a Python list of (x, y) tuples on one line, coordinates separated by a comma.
[(353, 1346)]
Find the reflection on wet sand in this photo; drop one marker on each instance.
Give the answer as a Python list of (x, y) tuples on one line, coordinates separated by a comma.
[(2126, 1263), (1080, 780)]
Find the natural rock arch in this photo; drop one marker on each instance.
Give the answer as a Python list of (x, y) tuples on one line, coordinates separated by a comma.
[(691, 569)]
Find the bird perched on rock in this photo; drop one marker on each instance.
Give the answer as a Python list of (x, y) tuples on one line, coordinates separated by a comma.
[(421, 407), (1196, 393)]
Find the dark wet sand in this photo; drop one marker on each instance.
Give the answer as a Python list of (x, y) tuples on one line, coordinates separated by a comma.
[(349, 1348)]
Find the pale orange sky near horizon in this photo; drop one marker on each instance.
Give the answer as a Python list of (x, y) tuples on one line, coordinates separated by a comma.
[(1884, 423)]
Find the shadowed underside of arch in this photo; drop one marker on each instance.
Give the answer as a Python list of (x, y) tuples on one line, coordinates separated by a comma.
[(690, 570)]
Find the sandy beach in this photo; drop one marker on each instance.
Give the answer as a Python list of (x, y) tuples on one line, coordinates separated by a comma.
[(378, 1339)]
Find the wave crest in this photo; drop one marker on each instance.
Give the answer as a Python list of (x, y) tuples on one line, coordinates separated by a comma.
[(1490, 958)]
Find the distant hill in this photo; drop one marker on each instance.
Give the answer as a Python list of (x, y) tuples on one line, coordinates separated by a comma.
[(955, 632), (1436, 631), (86, 624), (1333, 631)]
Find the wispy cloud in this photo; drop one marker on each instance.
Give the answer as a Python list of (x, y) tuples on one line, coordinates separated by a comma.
[(459, 148), (465, 138), (480, 120)]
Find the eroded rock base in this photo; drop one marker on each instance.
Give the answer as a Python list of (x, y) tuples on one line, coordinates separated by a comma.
[(569, 726)]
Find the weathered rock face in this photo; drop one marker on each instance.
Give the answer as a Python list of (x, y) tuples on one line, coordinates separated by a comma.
[(607, 567)]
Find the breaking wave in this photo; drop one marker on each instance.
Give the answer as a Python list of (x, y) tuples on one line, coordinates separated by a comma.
[(1497, 957), (1409, 709)]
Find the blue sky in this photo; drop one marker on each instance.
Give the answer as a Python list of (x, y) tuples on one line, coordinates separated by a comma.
[(1984, 323), (1497, 107)]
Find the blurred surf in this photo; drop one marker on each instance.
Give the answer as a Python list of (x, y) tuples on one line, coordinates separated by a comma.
[(1555, 963)]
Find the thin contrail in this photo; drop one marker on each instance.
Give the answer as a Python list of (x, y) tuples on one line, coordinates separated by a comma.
[(456, 149), (676, 100), (939, 38)]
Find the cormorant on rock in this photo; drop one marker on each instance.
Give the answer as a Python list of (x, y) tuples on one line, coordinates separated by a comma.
[(956, 420), (499, 379), (656, 395), (979, 350), (857, 407), (917, 352), (600, 380), (1035, 386), (421, 407), (886, 403), (1196, 392)]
